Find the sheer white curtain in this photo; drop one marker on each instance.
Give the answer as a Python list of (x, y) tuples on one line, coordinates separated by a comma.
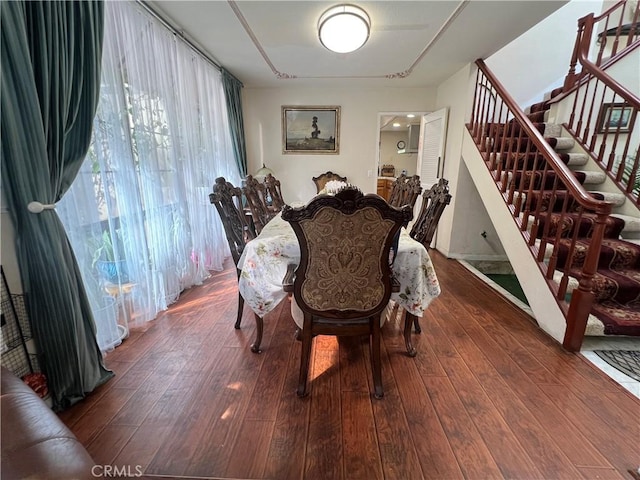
[(140, 201)]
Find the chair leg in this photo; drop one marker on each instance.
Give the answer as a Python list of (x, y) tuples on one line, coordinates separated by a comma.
[(416, 322), (240, 301), (376, 363), (305, 357), (409, 319), (255, 347), (240, 310)]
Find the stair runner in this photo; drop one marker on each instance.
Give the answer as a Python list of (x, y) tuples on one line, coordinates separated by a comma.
[(617, 280)]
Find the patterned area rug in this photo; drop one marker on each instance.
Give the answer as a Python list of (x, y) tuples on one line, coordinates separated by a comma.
[(626, 361)]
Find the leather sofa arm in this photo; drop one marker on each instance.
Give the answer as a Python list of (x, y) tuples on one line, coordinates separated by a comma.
[(35, 443)]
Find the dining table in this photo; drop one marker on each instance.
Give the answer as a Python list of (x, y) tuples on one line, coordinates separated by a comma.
[(266, 258)]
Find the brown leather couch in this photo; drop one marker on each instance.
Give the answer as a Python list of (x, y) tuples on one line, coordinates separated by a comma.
[(35, 443)]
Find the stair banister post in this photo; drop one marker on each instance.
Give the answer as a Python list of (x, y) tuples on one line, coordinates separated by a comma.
[(571, 77), (582, 298)]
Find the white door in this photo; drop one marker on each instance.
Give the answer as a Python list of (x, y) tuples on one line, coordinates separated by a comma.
[(433, 129)]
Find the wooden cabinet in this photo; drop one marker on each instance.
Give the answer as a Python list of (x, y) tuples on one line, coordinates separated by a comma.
[(384, 187)]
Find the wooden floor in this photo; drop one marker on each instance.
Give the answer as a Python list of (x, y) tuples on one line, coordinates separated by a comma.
[(489, 396)]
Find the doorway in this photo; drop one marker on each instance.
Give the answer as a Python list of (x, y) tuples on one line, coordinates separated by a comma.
[(397, 144)]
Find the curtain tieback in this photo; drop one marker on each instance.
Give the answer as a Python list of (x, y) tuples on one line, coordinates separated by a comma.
[(37, 207)]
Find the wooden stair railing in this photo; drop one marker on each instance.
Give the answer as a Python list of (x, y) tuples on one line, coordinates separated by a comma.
[(623, 37), (545, 202), (595, 92)]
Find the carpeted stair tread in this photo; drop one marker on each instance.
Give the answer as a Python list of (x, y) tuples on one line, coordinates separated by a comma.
[(549, 179), (531, 159), (615, 254), (561, 143), (631, 226), (547, 129), (513, 129), (539, 107), (597, 327), (521, 143), (548, 200), (612, 229), (627, 317), (553, 93), (617, 199), (617, 303), (540, 116), (591, 177), (621, 286), (575, 159)]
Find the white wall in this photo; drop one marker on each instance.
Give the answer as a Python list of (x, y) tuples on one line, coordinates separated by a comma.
[(538, 60), (358, 132), (465, 218)]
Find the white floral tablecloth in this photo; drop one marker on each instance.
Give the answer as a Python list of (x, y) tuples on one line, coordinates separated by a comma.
[(265, 259)]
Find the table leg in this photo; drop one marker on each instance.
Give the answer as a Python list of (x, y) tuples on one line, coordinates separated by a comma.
[(408, 322)]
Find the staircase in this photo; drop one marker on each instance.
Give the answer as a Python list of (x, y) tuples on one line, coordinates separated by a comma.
[(616, 283), (567, 175)]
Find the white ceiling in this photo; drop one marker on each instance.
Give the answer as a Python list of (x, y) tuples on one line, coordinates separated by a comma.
[(412, 43)]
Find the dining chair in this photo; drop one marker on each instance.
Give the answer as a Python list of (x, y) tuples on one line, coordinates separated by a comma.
[(343, 282), (259, 202), (322, 179), (434, 202), (272, 186), (405, 190), (228, 202)]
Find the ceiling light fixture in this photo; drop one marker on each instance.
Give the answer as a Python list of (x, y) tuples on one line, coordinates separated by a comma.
[(344, 28)]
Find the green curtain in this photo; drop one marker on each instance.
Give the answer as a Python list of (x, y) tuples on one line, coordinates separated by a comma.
[(233, 98), (50, 81)]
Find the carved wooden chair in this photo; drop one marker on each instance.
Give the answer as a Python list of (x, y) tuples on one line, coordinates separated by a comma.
[(343, 282), (261, 208), (228, 202), (272, 186), (434, 202), (322, 179), (405, 191)]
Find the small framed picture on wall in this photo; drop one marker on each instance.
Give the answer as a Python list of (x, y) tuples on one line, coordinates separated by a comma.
[(614, 118)]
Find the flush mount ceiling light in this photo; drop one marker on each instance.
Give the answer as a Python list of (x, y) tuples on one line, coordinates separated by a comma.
[(344, 28)]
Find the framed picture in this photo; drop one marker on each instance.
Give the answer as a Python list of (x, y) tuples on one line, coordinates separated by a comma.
[(614, 117), (310, 130)]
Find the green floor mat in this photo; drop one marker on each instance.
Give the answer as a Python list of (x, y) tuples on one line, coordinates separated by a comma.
[(510, 283)]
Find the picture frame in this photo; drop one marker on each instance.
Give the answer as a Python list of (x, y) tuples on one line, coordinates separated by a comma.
[(310, 130), (615, 118)]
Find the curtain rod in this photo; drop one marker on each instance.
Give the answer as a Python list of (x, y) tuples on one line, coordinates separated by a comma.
[(184, 38)]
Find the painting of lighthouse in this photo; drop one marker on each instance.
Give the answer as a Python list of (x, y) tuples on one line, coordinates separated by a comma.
[(310, 130)]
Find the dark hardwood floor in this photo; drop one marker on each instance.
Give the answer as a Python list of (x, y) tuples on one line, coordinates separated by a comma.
[(489, 396)]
